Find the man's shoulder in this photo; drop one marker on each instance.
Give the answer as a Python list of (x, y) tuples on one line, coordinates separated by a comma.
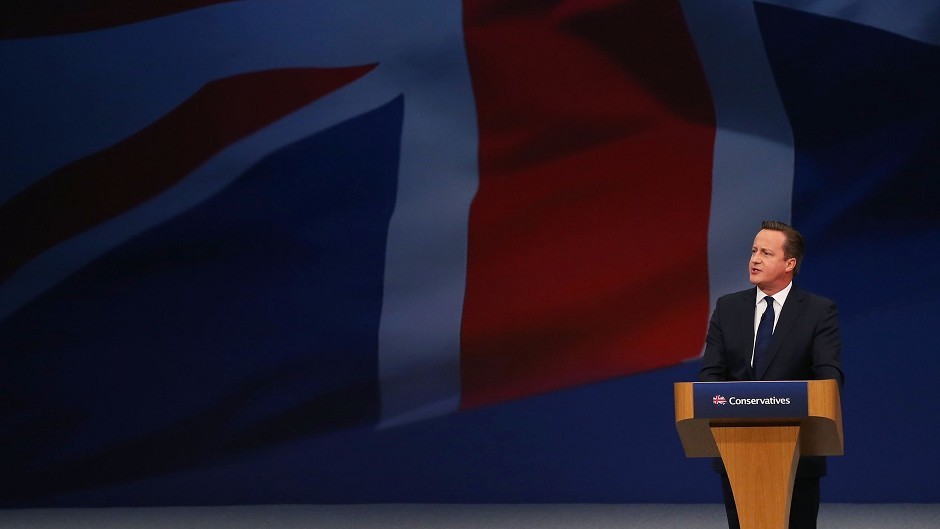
[(746, 294), (810, 297), (749, 296)]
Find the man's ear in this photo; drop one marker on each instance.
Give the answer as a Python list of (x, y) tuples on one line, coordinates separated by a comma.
[(791, 264)]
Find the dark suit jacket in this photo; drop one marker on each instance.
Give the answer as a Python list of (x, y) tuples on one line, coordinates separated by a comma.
[(805, 346)]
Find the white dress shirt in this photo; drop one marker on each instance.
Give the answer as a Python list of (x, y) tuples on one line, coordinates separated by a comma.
[(760, 306)]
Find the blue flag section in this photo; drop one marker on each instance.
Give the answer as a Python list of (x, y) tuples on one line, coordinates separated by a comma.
[(163, 372), (446, 251)]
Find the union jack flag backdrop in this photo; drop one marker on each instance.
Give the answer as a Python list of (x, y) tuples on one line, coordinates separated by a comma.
[(439, 251)]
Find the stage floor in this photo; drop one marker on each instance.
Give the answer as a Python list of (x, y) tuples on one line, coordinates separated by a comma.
[(464, 516)]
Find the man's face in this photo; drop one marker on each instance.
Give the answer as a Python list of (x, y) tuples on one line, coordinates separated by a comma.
[(768, 268)]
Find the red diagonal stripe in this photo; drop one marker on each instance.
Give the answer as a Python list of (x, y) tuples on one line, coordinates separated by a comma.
[(99, 187), (21, 19)]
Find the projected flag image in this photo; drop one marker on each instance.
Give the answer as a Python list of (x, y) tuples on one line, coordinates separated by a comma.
[(287, 251)]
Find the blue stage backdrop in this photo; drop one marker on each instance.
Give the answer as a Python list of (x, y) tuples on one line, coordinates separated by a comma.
[(302, 251)]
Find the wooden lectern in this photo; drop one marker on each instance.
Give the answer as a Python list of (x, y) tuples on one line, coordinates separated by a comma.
[(760, 430)]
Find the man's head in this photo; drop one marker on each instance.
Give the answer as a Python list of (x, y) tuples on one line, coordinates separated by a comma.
[(775, 256)]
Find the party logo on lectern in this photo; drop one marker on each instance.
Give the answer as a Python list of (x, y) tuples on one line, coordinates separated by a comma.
[(719, 400)]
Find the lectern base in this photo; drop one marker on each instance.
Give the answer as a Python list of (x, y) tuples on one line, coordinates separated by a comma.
[(761, 464)]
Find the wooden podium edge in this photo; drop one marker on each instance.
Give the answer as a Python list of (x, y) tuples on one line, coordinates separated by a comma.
[(820, 433)]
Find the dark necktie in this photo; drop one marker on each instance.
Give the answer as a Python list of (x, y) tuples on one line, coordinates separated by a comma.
[(765, 331)]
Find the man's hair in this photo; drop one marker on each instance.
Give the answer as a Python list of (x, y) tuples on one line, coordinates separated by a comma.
[(793, 245)]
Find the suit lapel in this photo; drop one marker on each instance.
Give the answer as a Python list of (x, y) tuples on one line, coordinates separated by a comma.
[(788, 317), (745, 305)]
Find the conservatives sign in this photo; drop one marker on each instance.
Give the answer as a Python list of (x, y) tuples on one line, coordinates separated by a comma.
[(722, 400)]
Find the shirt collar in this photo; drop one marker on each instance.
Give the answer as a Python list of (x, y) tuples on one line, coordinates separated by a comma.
[(779, 297)]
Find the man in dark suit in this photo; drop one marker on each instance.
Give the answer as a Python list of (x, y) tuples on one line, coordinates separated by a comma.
[(775, 332)]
